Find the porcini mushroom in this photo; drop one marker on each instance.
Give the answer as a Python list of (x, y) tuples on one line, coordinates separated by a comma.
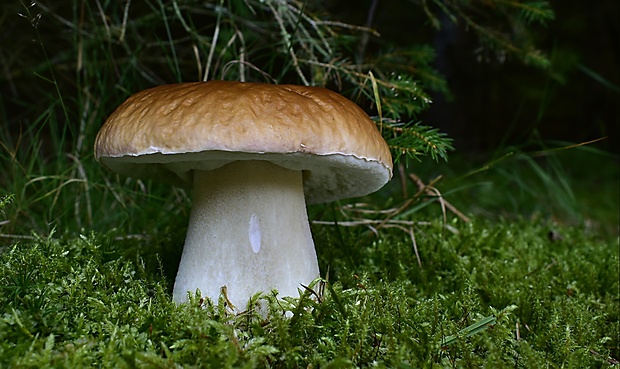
[(254, 154)]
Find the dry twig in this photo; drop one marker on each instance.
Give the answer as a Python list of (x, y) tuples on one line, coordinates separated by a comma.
[(361, 214)]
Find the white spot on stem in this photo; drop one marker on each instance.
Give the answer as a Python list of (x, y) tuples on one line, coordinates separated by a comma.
[(255, 236)]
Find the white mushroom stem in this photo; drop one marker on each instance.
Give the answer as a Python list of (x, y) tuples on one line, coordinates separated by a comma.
[(248, 230)]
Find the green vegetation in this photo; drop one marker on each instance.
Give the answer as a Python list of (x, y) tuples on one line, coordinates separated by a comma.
[(519, 270), (84, 300)]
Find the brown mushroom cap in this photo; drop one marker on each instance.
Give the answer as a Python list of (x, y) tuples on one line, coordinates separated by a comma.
[(166, 132)]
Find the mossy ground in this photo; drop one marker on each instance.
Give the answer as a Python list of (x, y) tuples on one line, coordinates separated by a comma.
[(548, 302)]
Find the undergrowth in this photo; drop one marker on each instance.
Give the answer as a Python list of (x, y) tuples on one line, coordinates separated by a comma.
[(539, 303)]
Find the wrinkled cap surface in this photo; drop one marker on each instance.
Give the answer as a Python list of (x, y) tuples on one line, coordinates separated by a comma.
[(166, 132)]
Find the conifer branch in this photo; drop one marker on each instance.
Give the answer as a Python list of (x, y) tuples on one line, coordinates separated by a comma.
[(414, 140)]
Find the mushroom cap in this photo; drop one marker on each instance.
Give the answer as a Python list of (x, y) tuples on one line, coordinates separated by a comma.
[(166, 132)]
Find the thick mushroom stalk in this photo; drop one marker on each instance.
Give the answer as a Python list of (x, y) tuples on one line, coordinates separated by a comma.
[(248, 230)]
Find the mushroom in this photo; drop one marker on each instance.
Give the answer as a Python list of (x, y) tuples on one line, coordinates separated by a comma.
[(254, 154)]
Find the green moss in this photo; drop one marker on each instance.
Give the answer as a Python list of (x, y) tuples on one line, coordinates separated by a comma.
[(75, 302)]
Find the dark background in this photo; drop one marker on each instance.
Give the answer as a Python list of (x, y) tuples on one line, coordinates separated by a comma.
[(499, 102), (494, 102)]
